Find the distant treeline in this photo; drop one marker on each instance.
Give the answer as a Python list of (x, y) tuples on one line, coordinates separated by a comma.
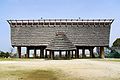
[(112, 54), (5, 54)]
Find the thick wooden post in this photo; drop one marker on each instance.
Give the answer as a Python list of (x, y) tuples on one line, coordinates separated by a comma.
[(72, 55), (42, 53), (45, 53), (52, 54), (60, 54), (34, 52), (83, 53), (69, 56), (102, 52), (19, 51), (49, 54), (66, 54), (91, 52), (77, 52), (27, 52)]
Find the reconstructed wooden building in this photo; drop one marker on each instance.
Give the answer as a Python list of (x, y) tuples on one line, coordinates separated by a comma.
[(50, 35)]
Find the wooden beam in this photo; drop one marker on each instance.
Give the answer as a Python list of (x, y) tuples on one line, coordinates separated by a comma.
[(69, 56), (27, 52), (102, 52), (91, 52), (52, 54), (83, 53), (34, 52), (19, 51), (60, 54), (77, 52), (72, 55), (42, 53), (45, 53)]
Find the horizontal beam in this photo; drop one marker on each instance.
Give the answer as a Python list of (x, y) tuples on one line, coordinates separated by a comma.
[(61, 20)]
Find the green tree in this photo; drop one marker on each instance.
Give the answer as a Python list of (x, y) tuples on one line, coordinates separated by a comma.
[(2, 54), (5, 54), (116, 43), (114, 50)]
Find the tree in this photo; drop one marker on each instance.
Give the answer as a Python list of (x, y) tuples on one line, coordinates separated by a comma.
[(114, 50), (5, 54), (113, 54), (116, 43)]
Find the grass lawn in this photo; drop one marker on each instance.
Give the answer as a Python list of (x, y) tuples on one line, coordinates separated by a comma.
[(16, 59), (28, 75), (108, 59), (76, 69), (30, 59)]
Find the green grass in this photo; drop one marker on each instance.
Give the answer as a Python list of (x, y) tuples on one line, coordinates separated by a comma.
[(28, 75), (16, 59), (108, 59), (11, 59), (114, 60), (30, 59)]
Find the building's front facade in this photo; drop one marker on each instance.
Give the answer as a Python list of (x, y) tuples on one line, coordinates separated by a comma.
[(81, 33)]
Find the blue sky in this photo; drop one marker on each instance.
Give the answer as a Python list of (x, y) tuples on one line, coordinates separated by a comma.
[(35, 9)]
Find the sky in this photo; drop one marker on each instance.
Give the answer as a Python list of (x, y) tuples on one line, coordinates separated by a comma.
[(35, 9)]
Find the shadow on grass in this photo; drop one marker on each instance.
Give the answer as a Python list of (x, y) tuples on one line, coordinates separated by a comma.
[(29, 75)]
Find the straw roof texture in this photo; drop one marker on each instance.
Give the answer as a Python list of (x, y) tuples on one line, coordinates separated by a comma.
[(60, 42)]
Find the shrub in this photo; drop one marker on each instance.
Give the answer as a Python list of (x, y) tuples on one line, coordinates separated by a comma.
[(113, 54), (5, 54)]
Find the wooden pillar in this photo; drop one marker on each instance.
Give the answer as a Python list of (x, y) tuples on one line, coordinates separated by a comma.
[(45, 53), (102, 52), (91, 52), (60, 54), (69, 56), (49, 54), (52, 54), (27, 52), (34, 52), (77, 52), (66, 54), (19, 51), (83, 53), (72, 55), (42, 53)]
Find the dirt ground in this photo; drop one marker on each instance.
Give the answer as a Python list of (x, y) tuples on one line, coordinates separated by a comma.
[(76, 69)]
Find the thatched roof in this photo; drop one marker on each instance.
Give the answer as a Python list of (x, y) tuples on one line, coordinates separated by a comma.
[(60, 42), (80, 32)]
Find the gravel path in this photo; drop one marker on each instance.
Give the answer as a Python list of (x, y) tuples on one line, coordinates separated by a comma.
[(79, 69)]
